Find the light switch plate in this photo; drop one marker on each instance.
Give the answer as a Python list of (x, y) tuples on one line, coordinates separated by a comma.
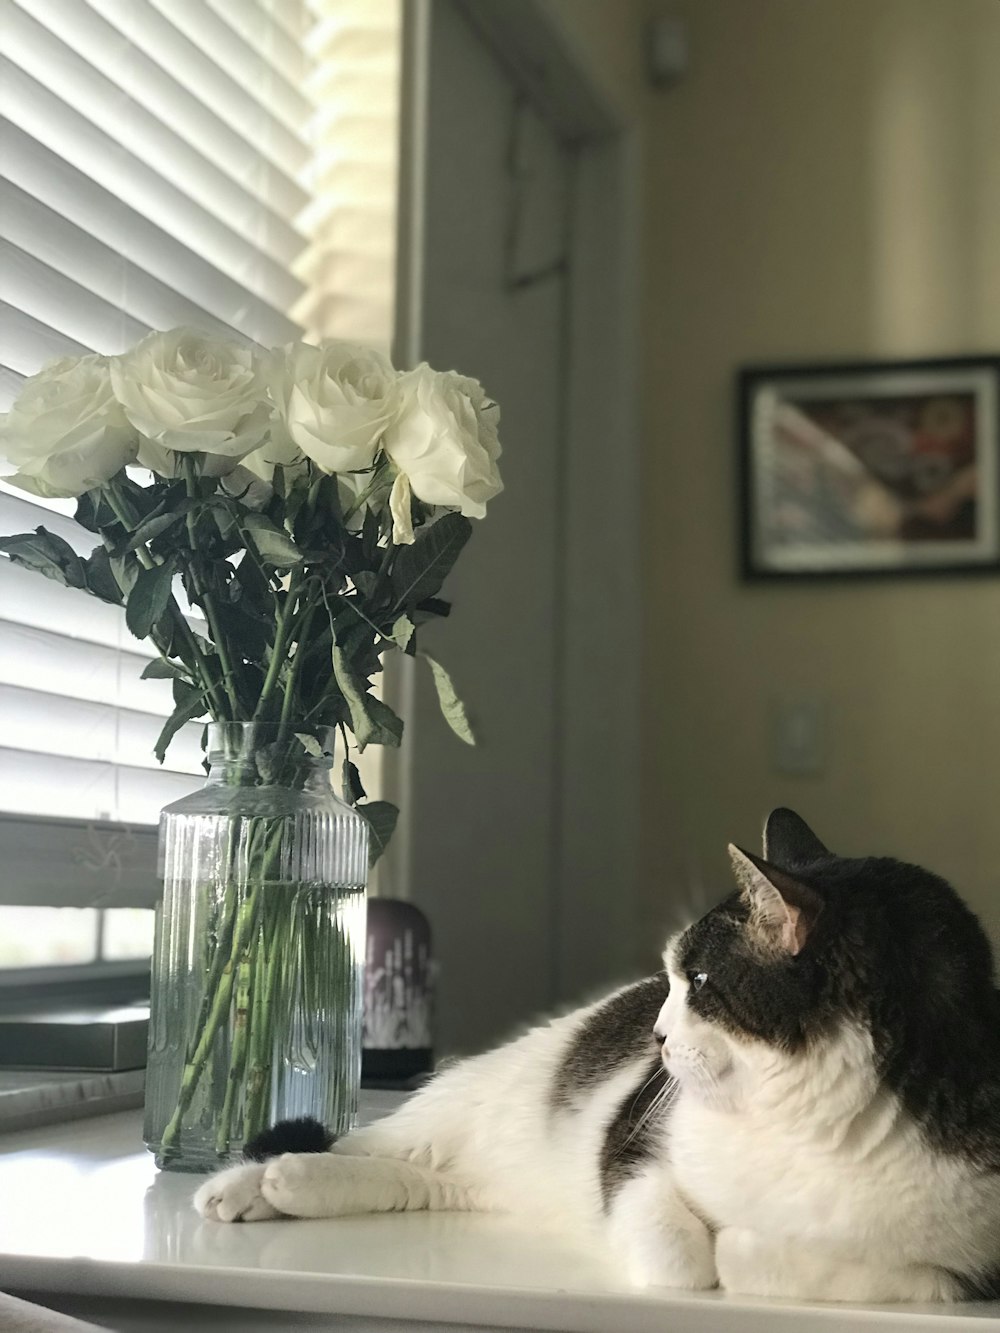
[(799, 735)]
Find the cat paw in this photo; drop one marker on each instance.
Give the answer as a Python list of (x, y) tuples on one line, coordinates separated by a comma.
[(683, 1264), (657, 1239), (740, 1263), (298, 1184), (329, 1185), (234, 1195)]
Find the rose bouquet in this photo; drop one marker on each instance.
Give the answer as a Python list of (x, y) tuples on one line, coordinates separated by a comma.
[(306, 504)]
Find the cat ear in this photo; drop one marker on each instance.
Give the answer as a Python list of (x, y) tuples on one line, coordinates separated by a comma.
[(781, 908), (789, 841)]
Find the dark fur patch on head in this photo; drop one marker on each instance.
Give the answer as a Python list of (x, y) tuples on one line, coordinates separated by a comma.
[(893, 951), (304, 1135), (632, 1137), (789, 842), (751, 992), (616, 1033)]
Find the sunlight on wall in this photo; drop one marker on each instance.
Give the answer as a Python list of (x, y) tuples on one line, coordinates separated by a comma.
[(349, 267)]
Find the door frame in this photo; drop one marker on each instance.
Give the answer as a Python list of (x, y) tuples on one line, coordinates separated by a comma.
[(596, 857)]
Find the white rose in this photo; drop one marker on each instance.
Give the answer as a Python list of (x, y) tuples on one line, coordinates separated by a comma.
[(444, 445), (185, 392), (66, 433), (335, 401)]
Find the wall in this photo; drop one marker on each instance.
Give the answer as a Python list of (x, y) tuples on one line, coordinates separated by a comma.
[(824, 183), (607, 35)]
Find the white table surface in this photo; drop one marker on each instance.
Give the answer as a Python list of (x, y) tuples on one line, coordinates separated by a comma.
[(84, 1211)]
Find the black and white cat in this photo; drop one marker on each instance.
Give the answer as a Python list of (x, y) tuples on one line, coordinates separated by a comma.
[(804, 1103)]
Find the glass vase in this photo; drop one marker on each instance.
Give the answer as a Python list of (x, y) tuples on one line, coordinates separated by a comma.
[(258, 963)]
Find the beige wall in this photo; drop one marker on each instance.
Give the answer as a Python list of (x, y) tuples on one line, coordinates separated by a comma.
[(824, 183), (606, 32)]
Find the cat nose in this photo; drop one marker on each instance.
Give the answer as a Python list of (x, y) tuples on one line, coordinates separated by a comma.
[(659, 1037)]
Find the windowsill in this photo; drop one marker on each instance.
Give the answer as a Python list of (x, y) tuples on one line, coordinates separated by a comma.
[(32, 1097)]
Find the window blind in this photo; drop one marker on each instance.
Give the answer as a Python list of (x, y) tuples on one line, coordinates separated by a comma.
[(155, 165), (349, 267), (230, 164)]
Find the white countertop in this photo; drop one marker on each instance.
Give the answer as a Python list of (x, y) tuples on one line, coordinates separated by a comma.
[(83, 1210)]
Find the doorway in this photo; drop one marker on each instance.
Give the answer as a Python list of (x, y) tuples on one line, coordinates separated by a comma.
[(521, 850)]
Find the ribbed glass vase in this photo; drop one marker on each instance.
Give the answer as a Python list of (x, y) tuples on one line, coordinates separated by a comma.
[(257, 986)]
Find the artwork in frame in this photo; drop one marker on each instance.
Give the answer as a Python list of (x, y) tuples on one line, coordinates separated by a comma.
[(876, 468)]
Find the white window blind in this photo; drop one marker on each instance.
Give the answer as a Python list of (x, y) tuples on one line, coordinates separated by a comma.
[(224, 163), (349, 268)]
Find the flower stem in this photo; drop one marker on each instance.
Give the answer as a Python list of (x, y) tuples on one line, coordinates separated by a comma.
[(282, 637), (238, 1055), (261, 1059), (207, 601), (295, 670), (220, 1000)]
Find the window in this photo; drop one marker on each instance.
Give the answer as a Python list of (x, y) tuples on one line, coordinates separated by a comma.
[(225, 163)]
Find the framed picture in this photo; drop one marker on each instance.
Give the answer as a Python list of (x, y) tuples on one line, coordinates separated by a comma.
[(878, 468)]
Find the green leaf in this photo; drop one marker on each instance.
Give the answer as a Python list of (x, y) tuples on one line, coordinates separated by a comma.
[(148, 599), (226, 518), (381, 817), (126, 570), (183, 691), (357, 639), (388, 728), (353, 790), (93, 511), (372, 721), (451, 705), (187, 712), (366, 581), (402, 632), (144, 501), (309, 743), (250, 583), (291, 506), (248, 631), (153, 527), (46, 554), (269, 760), (101, 581), (158, 669), (419, 570), (273, 544)]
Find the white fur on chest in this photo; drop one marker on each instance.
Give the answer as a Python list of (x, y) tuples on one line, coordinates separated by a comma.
[(837, 1162)]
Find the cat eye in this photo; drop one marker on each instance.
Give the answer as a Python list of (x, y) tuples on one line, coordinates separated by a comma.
[(697, 979)]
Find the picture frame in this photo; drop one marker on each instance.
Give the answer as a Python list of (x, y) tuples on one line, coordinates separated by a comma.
[(877, 468)]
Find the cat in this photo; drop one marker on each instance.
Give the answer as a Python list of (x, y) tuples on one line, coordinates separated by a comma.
[(804, 1103)]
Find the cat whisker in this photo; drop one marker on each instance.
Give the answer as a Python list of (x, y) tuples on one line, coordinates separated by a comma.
[(661, 1097)]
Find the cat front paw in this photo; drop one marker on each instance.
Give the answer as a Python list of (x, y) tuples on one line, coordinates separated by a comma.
[(234, 1195), (304, 1185), (681, 1262), (333, 1185), (741, 1264)]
